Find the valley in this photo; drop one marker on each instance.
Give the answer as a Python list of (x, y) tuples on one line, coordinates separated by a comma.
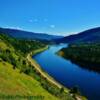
[(13, 57), (49, 49), (60, 78)]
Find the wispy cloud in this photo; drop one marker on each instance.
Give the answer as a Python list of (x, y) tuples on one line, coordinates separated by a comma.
[(33, 20), (52, 26), (16, 27)]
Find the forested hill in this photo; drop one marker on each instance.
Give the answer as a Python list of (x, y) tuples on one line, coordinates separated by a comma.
[(85, 55), (91, 35), (28, 35)]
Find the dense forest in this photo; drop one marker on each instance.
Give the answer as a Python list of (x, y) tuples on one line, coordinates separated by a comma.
[(87, 55)]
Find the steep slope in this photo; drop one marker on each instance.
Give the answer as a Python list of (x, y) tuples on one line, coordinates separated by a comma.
[(91, 35), (17, 85), (14, 79), (13, 61)]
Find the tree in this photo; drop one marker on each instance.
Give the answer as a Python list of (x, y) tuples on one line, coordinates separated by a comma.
[(75, 90), (61, 90)]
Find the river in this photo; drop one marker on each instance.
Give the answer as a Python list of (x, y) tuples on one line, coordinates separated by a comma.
[(68, 73)]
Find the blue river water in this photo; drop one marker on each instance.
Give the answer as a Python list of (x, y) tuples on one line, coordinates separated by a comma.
[(68, 73)]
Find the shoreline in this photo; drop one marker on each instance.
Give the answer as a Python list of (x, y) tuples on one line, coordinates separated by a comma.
[(41, 71), (50, 79)]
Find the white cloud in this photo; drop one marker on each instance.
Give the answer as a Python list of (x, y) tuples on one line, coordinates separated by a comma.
[(19, 28), (52, 26), (16, 27), (33, 20)]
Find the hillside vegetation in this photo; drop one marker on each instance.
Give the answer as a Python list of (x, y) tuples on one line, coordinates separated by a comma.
[(86, 55), (17, 85), (19, 77)]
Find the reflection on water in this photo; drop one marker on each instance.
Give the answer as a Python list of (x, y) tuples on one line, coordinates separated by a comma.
[(68, 73), (88, 66)]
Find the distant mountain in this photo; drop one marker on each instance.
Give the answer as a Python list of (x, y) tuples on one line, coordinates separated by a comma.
[(28, 35), (91, 35)]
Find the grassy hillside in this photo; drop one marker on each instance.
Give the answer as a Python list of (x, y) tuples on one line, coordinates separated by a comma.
[(19, 77), (13, 83)]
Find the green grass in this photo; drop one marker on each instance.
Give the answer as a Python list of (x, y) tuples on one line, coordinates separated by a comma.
[(3, 46), (14, 83)]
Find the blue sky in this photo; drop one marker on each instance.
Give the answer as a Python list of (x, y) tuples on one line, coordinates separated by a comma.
[(61, 17)]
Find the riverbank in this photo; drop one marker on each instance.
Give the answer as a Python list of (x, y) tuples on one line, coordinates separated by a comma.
[(38, 68), (45, 75)]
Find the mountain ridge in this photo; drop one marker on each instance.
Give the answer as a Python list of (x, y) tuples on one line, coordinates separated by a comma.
[(28, 35), (90, 35)]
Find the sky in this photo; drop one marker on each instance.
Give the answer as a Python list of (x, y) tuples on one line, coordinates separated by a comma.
[(60, 17)]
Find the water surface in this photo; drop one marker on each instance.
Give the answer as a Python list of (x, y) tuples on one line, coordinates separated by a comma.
[(68, 73)]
